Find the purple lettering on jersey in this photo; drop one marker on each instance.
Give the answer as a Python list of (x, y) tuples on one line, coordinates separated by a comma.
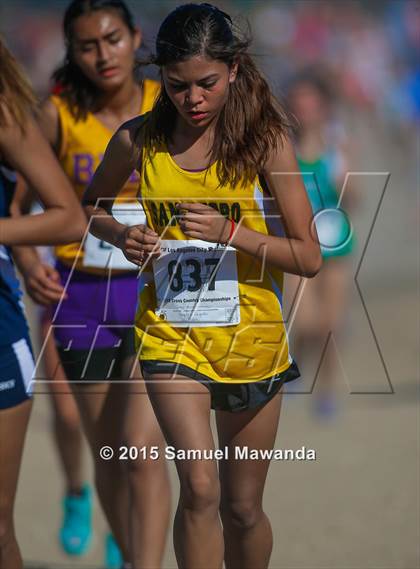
[(83, 168)]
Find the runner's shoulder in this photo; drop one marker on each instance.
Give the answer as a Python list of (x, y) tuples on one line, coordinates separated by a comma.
[(129, 133), (49, 121), (126, 143)]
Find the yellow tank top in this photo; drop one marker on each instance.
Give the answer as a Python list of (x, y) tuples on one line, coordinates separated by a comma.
[(82, 148), (254, 349)]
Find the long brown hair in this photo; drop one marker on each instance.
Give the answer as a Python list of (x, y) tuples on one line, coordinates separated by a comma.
[(16, 95), (252, 122)]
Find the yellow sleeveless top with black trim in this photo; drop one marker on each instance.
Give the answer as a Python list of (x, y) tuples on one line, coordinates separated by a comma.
[(254, 349), (83, 144)]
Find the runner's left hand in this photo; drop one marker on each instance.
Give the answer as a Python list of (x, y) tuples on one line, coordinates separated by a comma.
[(200, 221), (43, 284)]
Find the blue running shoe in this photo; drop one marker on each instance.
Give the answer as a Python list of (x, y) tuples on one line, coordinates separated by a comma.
[(76, 532), (113, 557)]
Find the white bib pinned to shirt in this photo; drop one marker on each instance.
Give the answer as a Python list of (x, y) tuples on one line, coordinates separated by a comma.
[(197, 284)]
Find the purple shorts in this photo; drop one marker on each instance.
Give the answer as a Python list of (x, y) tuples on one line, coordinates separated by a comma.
[(99, 311)]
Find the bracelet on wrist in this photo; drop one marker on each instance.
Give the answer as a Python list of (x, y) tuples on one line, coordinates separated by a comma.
[(231, 232)]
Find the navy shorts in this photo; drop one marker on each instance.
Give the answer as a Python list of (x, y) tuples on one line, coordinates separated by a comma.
[(232, 397), (16, 373)]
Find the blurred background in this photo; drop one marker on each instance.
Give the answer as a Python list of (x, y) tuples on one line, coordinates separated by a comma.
[(357, 505)]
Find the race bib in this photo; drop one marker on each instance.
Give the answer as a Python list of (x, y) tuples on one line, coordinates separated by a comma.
[(197, 284), (101, 254)]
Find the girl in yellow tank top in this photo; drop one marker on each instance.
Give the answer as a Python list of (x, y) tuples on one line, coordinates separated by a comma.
[(219, 312), (81, 149), (218, 175)]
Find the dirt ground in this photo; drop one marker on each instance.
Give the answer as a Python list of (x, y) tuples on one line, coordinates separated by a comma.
[(355, 506)]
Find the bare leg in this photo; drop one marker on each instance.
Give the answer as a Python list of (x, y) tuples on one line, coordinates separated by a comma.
[(332, 292), (66, 421), (319, 313), (182, 407), (148, 480), (13, 426), (247, 530), (102, 407)]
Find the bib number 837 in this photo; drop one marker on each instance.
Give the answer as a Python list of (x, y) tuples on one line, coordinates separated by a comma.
[(192, 271)]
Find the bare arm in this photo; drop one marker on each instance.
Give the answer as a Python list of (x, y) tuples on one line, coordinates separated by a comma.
[(121, 158), (49, 122), (109, 178), (296, 253), (299, 251), (30, 154), (23, 198), (42, 281), (25, 257)]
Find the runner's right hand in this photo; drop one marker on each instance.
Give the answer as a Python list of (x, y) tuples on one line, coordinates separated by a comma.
[(139, 243), (42, 283)]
